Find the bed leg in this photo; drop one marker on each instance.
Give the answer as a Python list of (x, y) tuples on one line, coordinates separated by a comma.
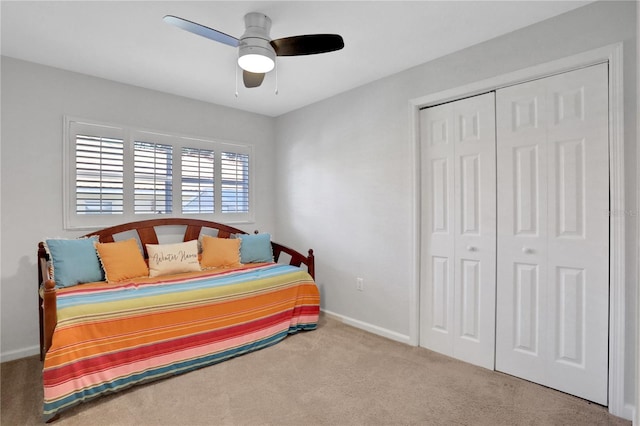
[(50, 312)]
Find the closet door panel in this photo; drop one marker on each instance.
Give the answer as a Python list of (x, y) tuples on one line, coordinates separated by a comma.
[(526, 160), (437, 237), (522, 230), (475, 232), (458, 241), (525, 309), (579, 233), (553, 219)]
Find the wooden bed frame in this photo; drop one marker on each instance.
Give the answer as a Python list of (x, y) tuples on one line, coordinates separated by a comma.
[(146, 232)]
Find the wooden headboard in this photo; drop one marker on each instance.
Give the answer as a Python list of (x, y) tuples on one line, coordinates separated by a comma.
[(146, 230)]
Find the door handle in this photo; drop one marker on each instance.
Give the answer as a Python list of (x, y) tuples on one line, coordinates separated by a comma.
[(472, 248), (527, 250)]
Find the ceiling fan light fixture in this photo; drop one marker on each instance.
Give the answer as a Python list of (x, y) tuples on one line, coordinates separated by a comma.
[(256, 62), (256, 59)]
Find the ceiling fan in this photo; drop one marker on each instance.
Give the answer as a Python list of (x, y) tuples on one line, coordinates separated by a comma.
[(256, 51)]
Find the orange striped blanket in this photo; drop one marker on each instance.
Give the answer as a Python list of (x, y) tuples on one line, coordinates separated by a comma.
[(113, 336)]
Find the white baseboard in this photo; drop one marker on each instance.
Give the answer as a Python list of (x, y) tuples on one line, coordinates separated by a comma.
[(19, 353), (369, 327)]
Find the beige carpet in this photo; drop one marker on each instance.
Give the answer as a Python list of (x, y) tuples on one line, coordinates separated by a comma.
[(336, 375)]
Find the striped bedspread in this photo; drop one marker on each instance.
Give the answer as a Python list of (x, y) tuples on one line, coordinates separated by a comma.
[(113, 336)]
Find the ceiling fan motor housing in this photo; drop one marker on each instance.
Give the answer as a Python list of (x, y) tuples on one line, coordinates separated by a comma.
[(255, 43)]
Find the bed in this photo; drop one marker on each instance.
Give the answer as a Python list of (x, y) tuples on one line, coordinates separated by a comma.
[(107, 335)]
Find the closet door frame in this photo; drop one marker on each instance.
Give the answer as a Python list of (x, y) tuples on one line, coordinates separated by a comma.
[(612, 55)]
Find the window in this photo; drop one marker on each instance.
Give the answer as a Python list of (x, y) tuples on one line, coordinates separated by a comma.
[(235, 182), (198, 180), (153, 181), (114, 174), (99, 174)]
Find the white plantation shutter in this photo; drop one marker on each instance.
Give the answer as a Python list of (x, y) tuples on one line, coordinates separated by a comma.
[(235, 182), (115, 174), (99, 182), (153, 177), (198, 180)]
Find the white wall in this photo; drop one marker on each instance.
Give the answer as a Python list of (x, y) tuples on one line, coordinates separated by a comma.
[(34, 100), (346, 176)]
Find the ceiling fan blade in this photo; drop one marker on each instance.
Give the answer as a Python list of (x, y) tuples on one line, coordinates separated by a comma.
[(201, 30), (252, 79), (307, 44)]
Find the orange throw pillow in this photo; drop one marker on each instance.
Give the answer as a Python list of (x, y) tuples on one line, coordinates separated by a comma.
[(220, 252), (122, 260)]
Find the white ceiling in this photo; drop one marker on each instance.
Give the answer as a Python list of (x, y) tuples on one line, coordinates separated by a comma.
[(127, 41)]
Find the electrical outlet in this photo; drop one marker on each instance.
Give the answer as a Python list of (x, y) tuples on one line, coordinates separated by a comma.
[(359, 284)]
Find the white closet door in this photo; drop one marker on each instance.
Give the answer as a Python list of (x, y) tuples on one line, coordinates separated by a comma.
[(458, 233), (437, 239), (553, 188)]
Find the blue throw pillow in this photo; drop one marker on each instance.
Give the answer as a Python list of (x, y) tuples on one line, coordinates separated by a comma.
[(255, 248), (75, 261)]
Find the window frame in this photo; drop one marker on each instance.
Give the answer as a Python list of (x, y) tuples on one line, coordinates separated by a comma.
[(129, 134)]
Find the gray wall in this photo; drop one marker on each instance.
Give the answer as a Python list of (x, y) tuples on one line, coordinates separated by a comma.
[(346, 179), (34, 100)]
